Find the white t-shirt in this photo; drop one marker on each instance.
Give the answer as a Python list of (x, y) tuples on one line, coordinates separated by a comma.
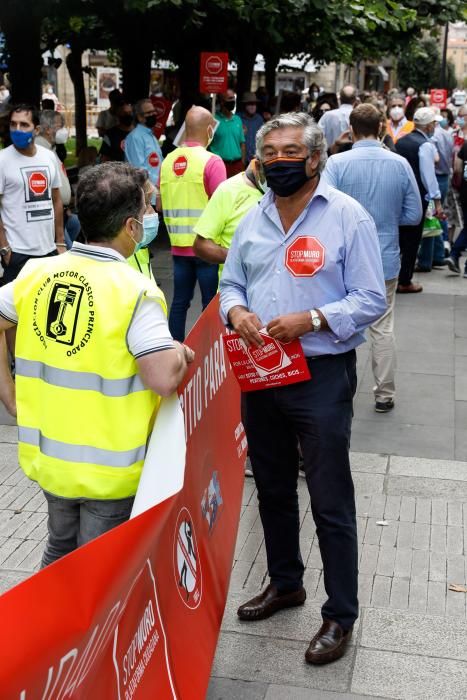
[(148, 331), (26, 206)]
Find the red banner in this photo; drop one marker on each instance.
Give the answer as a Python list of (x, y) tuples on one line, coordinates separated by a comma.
[(136, 613), (272, 364), (213, 72), (162, 107)]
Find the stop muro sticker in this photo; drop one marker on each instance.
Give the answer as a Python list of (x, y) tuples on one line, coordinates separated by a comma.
[(268, 357), (180, 165), (37, 182), (305, 256), (153, 159)]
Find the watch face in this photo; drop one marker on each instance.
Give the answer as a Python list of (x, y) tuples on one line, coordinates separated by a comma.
[(316, 323)]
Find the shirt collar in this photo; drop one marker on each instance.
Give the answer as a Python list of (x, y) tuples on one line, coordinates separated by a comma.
[(422, 133), (97, 251), (143, 126), (364, 143), (346, 108)]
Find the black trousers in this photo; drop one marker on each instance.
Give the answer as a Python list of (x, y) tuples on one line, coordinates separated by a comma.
[(319, 413), (409, 242)]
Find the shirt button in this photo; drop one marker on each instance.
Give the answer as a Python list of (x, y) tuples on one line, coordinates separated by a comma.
[(274, 298)]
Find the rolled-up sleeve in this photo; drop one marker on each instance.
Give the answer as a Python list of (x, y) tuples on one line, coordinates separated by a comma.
[(363, 278), (233, 282)]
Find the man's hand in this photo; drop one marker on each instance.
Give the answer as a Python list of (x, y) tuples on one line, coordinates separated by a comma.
[(188, 352), (247, 325), (342, 140), (290, 326), (6, 258), (61, 248)]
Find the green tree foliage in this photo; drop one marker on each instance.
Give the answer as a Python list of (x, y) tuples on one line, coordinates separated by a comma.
[(419, 66)]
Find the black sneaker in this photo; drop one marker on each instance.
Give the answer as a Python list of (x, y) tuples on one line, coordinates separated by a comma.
[(453, 265), (384, 406)]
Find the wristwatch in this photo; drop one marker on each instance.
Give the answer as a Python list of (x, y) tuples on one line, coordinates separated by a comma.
[(315, 320), (5, 250)]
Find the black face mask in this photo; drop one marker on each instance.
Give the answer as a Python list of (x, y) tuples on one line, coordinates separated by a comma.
[(151, 121), (230, 105), (126, 119), (285, 176)]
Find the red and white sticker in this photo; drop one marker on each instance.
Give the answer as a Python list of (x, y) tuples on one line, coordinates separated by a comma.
[(37, 182), (180, 165), (305, 256), (153, 159), (269, 357), (187, 566)]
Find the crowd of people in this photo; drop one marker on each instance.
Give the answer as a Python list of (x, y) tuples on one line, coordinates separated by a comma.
[(356, 191)]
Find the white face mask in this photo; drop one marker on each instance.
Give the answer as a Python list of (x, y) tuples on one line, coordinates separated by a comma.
[(396, 113), (50, 91), (61, 135)]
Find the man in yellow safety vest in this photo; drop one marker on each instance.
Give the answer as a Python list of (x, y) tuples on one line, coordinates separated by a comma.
[(189, 177), (93, 357)]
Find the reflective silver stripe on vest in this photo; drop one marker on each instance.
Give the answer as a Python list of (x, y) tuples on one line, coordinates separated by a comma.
[(80, 453), (179, 229), (182, 212), (78, 380)]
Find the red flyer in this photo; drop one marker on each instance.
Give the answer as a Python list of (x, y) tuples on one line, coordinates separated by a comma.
[(213, 72), (272, 364)]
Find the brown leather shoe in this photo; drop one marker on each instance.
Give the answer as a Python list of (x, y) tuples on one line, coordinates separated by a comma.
[(269, 602), (411, 288), (329, 644)]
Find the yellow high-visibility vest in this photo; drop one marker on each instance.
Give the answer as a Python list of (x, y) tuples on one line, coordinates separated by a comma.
[(84, 416), (182, 192), (141, 262)]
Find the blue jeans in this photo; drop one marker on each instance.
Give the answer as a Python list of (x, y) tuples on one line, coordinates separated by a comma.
[(460, 244), (72, 229), (187, 271), (74, 521)]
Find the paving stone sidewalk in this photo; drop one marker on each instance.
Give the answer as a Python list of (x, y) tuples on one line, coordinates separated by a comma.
[(410, 471)]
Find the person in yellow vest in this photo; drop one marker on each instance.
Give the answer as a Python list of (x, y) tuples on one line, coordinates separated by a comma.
[(224, 211), (189, 177), (141, 258), (397, 125), (93, 357)]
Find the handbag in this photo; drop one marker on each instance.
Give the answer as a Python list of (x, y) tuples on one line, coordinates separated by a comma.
[(432, 225)]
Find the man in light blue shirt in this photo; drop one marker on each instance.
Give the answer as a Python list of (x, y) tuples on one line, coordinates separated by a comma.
[(335, 121), (385, 185), (305, 263), (141, 146)]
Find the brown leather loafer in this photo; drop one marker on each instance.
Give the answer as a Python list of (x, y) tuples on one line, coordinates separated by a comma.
[(329, 644), (269, 602), (412, 288)]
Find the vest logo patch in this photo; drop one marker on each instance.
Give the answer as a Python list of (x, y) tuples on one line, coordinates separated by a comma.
[(305, 256), (62, 313), (180, 165)]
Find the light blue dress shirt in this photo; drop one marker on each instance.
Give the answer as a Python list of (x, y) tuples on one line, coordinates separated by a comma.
[(349, 289), (426, 162), (140, 147), (444, 144), (383, 183)]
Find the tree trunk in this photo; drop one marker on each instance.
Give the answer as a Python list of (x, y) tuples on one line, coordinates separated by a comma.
[(75, 69), (245, 67), (270, 64), (23, 37)]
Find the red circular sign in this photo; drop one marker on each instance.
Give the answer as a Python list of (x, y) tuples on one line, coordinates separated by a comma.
[(180, 165), (37, 182), (187, 565), (153, 159), (214, 65), (268, 357), (305, 256), (159, 106)]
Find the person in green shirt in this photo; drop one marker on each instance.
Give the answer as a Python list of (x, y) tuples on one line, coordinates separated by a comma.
[(224, 211), (229, 139)]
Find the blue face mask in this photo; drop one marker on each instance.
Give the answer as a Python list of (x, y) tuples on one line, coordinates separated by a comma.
[(150, 226), (460, 122), (21, 139), (443, 123)]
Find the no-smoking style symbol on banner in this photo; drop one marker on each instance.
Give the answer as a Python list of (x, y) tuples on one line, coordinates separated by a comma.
[(187, 566)]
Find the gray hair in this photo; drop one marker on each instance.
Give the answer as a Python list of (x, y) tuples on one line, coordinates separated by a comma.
[(140, 103), (47, 119), (313, 136)]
